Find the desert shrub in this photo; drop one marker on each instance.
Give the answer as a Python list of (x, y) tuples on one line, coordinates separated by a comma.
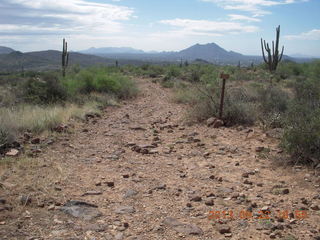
[(44, 90), (273, 103), (101, 80), (173, 71), (238, 105), (287, 69), (302, 133), (7, 134)]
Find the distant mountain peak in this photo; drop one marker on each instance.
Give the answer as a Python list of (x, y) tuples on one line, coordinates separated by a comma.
[(112, 50), (6, 50), (209, 52)]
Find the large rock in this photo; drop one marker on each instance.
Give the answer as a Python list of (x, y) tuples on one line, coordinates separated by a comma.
[(79, 209), (184, 228), (214, 122)]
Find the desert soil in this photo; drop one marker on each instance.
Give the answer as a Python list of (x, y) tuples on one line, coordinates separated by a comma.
[(152, 176)]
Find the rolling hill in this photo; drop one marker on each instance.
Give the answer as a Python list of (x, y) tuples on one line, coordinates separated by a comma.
[(5, 50), (44, 60)]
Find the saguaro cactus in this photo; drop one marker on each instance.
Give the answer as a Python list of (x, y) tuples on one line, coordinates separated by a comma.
[(273, 57), (65, 57)]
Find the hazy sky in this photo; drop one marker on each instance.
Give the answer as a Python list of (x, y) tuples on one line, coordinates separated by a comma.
[(161, 25)]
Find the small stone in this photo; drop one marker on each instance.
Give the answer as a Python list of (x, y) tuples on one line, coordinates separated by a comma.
[(265, 209), (130, 193), (12, 153), (92, 193), (35, 141), (126, 176), (138, 128), (254, 205), (273, 235), (292, 221), (224, 229), (206, 154), (259, 149), (95, 227), (209, 202), (247, 182), (211, 121), (98, 184), (161, 187), (119, 236), (285, 191), (25, 200), (183, 228), (126, 225), (218, 123), (189, 205), (235, 195), (315, 207), (110, 184), (125, 210), (245, 175), (51, 207), (196, 199)]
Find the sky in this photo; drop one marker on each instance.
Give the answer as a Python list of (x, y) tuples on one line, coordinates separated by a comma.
[(160, 25)]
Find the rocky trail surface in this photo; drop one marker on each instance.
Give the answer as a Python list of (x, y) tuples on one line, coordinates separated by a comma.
[(139, 172)]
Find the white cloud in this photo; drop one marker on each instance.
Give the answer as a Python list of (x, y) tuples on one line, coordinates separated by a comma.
[(72, 16), (236, 17), (253, 6), (311, 35), (207, 28)]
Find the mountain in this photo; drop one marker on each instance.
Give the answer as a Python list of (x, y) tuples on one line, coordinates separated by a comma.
[(5, 50), (210, 52), (299, 55), (44, 60), (51, 59), (112, 50)]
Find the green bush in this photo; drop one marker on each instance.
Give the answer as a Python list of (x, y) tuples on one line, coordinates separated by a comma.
[(44, 90), (302, 133), (101, 80)]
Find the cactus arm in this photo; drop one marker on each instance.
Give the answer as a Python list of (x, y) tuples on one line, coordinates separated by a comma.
[(281, 53), (264, 56)]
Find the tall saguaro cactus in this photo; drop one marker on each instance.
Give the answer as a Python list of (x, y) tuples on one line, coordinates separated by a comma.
[(65, 57), (273, 57)]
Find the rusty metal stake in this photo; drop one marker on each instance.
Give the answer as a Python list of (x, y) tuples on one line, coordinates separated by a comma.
[(224, 78)]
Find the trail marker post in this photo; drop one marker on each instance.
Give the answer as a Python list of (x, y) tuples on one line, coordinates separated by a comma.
[(224, 77)]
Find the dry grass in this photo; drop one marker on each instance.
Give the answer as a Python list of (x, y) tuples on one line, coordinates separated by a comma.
[(39, 118)]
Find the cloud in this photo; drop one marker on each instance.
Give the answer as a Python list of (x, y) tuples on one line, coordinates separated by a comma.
[(236, 17), (46, 17), (184, 27), (311, 35), (253, 6)]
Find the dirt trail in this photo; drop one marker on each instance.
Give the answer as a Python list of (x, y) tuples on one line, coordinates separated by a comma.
[(165, 194)]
